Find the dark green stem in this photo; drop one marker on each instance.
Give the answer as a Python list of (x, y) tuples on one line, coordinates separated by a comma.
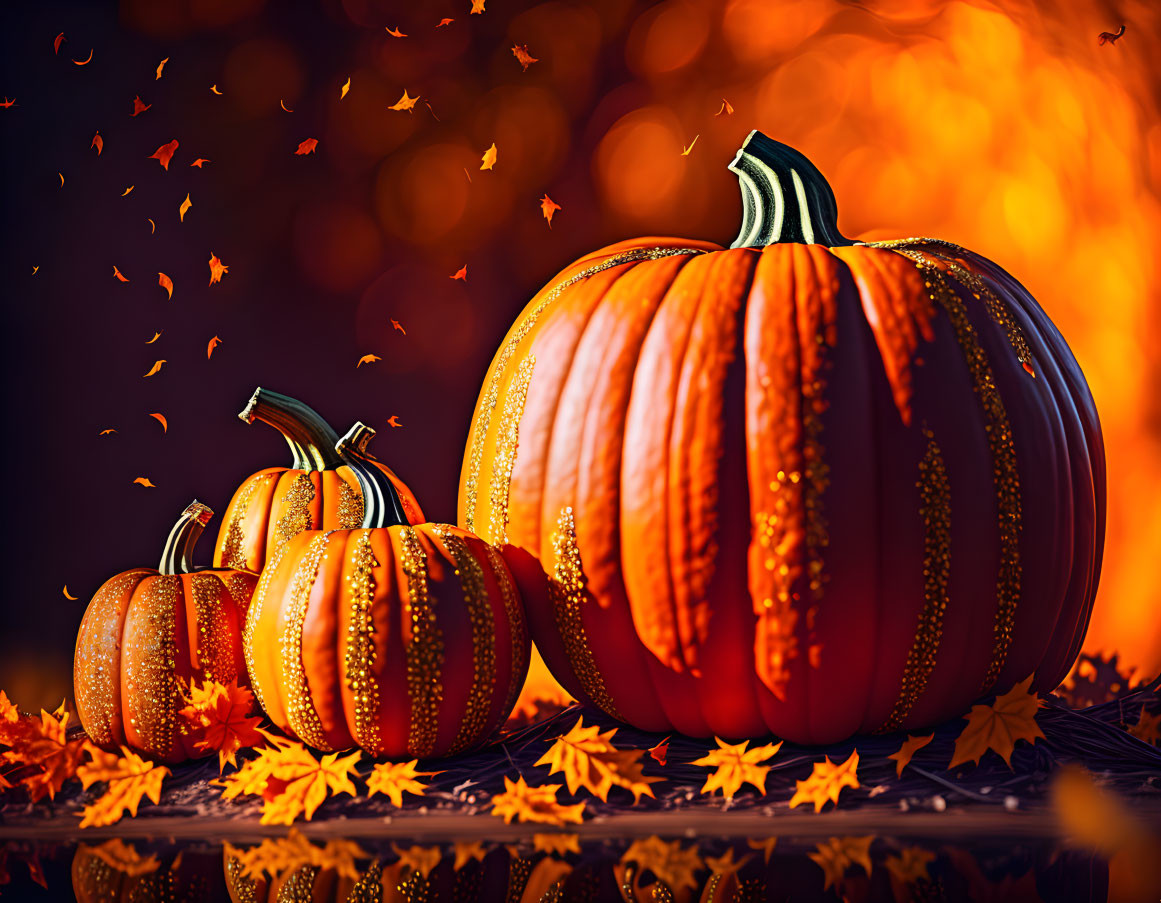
[(311, 439), (784, 197), (177, 556), (381, 504)]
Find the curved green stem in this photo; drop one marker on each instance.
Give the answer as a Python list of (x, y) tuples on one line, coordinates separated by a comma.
[(311, 439), (784, 197), (177, 556), (381, 504)]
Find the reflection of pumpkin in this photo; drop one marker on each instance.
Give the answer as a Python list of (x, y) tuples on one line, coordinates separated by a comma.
[(188, 876), (146, 633), (318, 885), (316, 492), (405, 641), (801, 485)]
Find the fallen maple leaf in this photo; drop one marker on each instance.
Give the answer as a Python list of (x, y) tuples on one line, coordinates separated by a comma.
[(184, 208), (725, 108), (395, 325), (405, 102), (98, 143), (217, 269), (67, 594), (395, 32), (123, 857), (200, 162), (910, 746), (477, 6), (826, 782), (443, 22), (534, 804), (56, 42), (130, 779), (139, 107), (85, 61), (489, 159), (548, 207), (588, 759), (556, 844), (166, 283), (838, 854), (306, 147), (164, 154), (160, 418), (156, 336), (735, 765), (222, 713), (998, 726), (345, 88), (117, 275), (461, 273), (685, 150), (1148, 727), (672, 863), (146, 482), (42, 744), (393, 779), (214, 90), (155, 368), (125, 193), (299, 783), (214, 343), (523, 57), (367, 359), (161, 66)]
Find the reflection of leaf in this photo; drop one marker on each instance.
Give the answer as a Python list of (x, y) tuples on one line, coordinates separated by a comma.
[(123, 857), (98, 143), (214, 343), (367, 359), (306, 147), (160, 418), (184, 208), (998, 726), (345, 88), (405, 102), (217, 268), (164, 154), (282, 856), (910, 865), (130, 779), (156, 367), (489, 159), (146, 482), (836, 855), (826, 782), (394, 778), (166, 283), (466, 851), (534, 804), (417, 859), (548, 207), (672, 863), (556, 844), (523, 57), (161, 66), (461, 273), (910, 746), (139, 107), (117, 275), (766, 845), (736, 765), (587, 758)]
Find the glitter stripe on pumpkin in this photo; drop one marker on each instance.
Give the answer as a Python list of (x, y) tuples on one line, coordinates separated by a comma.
[(935, 511), (567, 591), (359, 657), (295, 515), (233, 555), (1005, 472), (507, 440), (300, 711), (471, 577), (424, 648), (253, 615), (350, 508), (517, 628), (151, 685), (215, 655), (508, 350)]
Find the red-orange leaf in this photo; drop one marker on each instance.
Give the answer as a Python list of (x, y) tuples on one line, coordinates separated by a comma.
[(56, 42), (156, 336), (166, 283), (548, 207), (395, 325), (306, 147), (217, 269), (85, 61), (164, 154), (461, 273), (443, 22), (222, 713), (139, 107), (393, 421), (67, 594), (160, 418), (395, 32), (200, 162), (161, 66), (214, 343), (98, 143), (523, 57), (725, 108), (660, 752), (117, 275), (184, 208), (477, 6)]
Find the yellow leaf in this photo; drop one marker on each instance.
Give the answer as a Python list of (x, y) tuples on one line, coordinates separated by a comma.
[(404, 103), (838, 854), (998, 726), (489, 159), (826, 781), (345, 88), (185, 205), (393, 779), (534, 804), (588, 759), (910, 746), (685, 150), (670, 862), (736, 766), (129, 777), (299, 783), (556, 844), (466, 851)]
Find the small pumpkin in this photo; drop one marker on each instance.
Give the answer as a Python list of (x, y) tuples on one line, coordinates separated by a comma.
[(315, 492), (403, 640), (146, 633), (802, 485)]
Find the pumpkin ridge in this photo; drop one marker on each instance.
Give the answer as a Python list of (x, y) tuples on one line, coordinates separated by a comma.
[(301, 715)]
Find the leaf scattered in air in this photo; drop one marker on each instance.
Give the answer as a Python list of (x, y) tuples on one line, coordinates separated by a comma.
[(685, 150), (393, 421), (156, 336), (57, 41), (282, 103), (85, 61), (214, 90), (461, 273), (125, 193), (160, 418), (395, 32), (444, 22), (395, 325), (367, 359), (156, 367), (345, 88), (306, 147), (106, 432), (146, 482), (164, 154), (139, 106), (200, 162), (523, 57), (161, 66), (117, 275), (217, 269), (166, 283), (98, 143), (214, 343), (477, 6), (548, 207), (67, 594), (405, 102), (725, 108), (181, 211), (489, 159)]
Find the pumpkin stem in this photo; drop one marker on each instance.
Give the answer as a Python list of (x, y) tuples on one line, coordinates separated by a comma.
[(381, 504), (177, 556), (784, 197), (311, 439)]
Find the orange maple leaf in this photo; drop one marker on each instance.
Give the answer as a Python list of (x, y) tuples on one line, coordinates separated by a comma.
[(217, 268), (184, 208), (406, 102), (160, 418), (130, 779), (367, 359), (659, 752), (200, 162), (461, 273), (160, 66), (489, 159), (725, 108), (735, 765), (910, 746), (998, 726), (587, 758), (477, 6), (214, 343), (523, 57), (306, 147), (395, 325), (299, 783), (139, 107), (42, 744), (222, 714), (9, 103), (393, 421), (393, 779), (146, 482), (155, 368), (98, 143), (548, 207), (443, 22), (826, 782), (166, 283), (395, 32), (117, 275), (534, 804), (1148, 727), (164, 154)]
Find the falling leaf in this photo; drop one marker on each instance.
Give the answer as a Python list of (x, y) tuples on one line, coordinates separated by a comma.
[(556, 844), (146, 482), (61, 174), (477, 6), (461, 273), (166, 283), (685, 151), (164, 154), (8, 103), (125, 193), (659, 752), (395, 32), (523, 57), (725, 108), (735, 766), (181, 211), (98, 143), (35, 269), (85, 61), (130, 779), (534, 804), (217, 269), (367, 359), (826, 781), (123, 857), (214, 343), (306, 147), (156, 366), (139, 107), (766, 845), (588, 759), (548, 207), (393, 421), (393, 779), (489, 159), (67, 595), (117, 275), (282, 103), (214, 89), (161, 66), (200, 161), (1148, 727), (222, 714), (671, 862), (910, 866), (405, 102), (152, 226), (395, 325), (998, 726), (469, 851), (838, 854), (160, 418), (345, 88), (443, 22), (106, 432), (156, 336), (56, 42), (910, 746)]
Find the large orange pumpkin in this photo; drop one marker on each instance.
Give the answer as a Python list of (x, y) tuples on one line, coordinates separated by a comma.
[(403, 640), (146, 633), (315, 492), (800, 485)]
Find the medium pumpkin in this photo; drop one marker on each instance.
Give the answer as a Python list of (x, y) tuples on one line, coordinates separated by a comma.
[(800, 485), (146, 633), (403, 640), (315, 492)]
